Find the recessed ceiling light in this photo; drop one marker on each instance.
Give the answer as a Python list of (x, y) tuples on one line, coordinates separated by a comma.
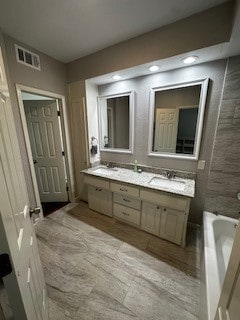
[(153, 68), (116, 77), (190, 60)]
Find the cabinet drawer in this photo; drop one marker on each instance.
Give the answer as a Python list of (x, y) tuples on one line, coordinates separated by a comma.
[(128, 214), (127, 201), (171, 201), (124, 189), (96, 182)]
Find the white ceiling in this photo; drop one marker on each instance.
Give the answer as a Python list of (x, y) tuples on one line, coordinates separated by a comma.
[(69, 29)]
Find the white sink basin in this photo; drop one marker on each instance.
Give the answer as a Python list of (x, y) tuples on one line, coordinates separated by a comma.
[(167, 183), (106, 171)]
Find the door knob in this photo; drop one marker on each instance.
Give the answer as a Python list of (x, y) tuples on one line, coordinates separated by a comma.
[(34, 161), (36, 210)]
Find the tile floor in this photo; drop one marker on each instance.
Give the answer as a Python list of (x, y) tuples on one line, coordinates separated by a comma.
[(99, 268)]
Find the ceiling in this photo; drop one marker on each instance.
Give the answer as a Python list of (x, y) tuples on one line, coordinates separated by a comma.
[(212, 53), (69, 29)]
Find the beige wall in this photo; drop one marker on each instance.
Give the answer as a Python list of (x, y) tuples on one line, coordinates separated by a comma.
[(198, 31), (188, 96), (142, 85), (52, 77)]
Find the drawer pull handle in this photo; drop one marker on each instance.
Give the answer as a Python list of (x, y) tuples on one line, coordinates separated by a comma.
[(164, 209), (157, 207), (125, 213), (126, 200), (99, 189), (124, 190)]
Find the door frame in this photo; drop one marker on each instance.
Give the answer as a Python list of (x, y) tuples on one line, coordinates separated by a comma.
[(65, 130)]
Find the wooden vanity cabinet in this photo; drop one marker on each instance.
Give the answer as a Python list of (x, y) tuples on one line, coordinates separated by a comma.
[(164, 222), (165, 215), (160, 213)]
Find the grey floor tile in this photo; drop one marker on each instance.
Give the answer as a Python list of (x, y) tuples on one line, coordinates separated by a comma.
[(150, 302), (99, 306), (98, 268)]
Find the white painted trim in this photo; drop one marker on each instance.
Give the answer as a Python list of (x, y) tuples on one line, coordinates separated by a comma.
[(112, 150), (199, 126), (28, 148), (131, 95), (65, 132), (188, 107)]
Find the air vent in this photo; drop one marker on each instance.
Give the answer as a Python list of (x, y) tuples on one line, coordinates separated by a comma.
[(27, 57)]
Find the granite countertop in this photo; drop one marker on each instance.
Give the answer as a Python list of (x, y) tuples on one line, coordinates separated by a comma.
[(143, 179)]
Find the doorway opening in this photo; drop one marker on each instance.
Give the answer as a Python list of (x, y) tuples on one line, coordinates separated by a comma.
[(5, 308), (43, 124)]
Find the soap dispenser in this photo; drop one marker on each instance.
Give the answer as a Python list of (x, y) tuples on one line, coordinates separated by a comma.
[(135, 166)]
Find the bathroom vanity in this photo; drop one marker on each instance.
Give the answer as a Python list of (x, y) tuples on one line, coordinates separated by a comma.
[(148, 201)]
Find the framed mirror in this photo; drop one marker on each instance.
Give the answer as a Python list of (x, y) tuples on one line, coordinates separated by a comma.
[(116, 122), (176, 119)]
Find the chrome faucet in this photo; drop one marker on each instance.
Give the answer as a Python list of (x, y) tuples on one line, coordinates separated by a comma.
[(110, 165), (170, 174)]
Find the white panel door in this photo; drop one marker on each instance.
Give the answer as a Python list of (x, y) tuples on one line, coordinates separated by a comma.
[(166, 127), (25, 285), (45, 139), (151, 215), (172, 225)]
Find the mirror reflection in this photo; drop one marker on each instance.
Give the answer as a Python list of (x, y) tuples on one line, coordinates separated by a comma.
[(175, 119), (114, 113)]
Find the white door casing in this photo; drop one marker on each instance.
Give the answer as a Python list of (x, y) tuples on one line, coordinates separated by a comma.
[(25, 285), (166, 127), (46, 145)]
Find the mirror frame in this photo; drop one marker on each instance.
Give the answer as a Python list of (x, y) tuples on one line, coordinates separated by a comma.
[(199, 126), (131, 95)]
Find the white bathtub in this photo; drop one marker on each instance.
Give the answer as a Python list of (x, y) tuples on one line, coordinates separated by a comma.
[(219, 233)]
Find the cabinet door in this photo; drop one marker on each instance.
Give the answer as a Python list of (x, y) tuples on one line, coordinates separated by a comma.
[(100, 200), (151, 215), (172, 225)]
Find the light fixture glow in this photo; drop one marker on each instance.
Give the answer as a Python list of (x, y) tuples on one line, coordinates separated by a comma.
[(153, 68), (116, 77), (190, 60)]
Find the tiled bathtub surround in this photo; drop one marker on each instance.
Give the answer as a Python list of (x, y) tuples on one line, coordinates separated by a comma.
[(97, 268), (224, 175)]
